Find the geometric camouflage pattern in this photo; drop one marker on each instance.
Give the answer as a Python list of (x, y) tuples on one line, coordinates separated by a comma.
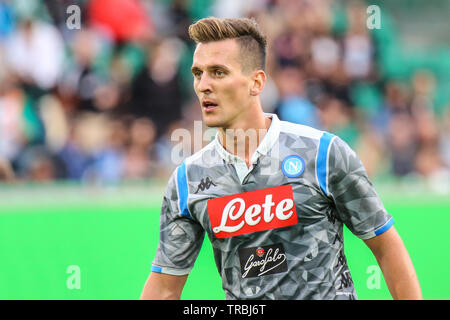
[(333, 190)]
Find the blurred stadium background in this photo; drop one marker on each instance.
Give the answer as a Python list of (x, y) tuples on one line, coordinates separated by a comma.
[(86, 117)]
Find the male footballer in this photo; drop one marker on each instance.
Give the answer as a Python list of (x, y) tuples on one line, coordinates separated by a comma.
[(274, 203)]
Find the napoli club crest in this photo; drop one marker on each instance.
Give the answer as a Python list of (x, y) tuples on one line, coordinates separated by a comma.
[(293, 166)]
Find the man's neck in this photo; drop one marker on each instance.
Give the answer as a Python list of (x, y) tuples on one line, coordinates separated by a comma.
[(244, 138)]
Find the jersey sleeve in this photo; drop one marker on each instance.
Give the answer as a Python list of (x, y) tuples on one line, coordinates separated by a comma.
[(357, 204), (181, 236)]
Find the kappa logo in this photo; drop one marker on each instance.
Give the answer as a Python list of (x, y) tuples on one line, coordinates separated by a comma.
[(205, 184), (293, 166), (253, 211)]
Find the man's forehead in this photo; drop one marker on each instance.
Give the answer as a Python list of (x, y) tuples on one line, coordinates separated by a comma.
[(225, 52)]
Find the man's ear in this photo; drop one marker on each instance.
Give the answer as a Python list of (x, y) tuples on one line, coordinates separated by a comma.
[(259, 80)]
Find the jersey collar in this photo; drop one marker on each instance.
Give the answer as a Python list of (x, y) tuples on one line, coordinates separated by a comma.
[(263, 148)]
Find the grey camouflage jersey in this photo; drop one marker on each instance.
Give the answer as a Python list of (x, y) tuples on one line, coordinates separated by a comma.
[(304, 260)]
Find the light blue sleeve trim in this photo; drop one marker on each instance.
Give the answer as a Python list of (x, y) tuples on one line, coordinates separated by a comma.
[(322, 161), (156, 269), (172, 271), (385, 228), (379, 231), (183, 190)]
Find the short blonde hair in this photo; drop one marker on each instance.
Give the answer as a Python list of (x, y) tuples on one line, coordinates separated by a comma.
[(246, 31)]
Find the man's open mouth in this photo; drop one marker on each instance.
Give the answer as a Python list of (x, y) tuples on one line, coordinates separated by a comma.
[(209, 105)]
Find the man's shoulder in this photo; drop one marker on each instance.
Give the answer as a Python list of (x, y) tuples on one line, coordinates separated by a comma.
[(197, 160), (328, 145), (301, 130), (203, 156), (324, 138)]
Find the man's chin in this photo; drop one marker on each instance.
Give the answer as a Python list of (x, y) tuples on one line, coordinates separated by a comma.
[(212, 122)]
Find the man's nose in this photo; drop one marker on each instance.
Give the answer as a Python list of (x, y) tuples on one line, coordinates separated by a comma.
[(204, 83)]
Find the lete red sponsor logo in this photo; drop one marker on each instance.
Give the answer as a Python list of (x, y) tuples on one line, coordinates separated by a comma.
[(252, 211)]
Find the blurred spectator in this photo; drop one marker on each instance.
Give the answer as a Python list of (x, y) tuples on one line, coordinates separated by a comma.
[(395, 102), (87, 135), (82, 76), (293, 105), (122, 20), (402, 144), (36, 163), (6, 171), (139, 155), (156, 92), (35, 52), (358, 48), (108, 159), (337, 117)]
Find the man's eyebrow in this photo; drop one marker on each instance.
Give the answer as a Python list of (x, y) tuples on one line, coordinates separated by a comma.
[(212, 67), (218, 66), (195, 69)]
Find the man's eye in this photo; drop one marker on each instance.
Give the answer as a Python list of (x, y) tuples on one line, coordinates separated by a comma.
[(219, 73), (197, 74)]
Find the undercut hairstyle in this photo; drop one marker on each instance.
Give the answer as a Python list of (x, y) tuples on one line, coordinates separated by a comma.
[(250, 38)]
